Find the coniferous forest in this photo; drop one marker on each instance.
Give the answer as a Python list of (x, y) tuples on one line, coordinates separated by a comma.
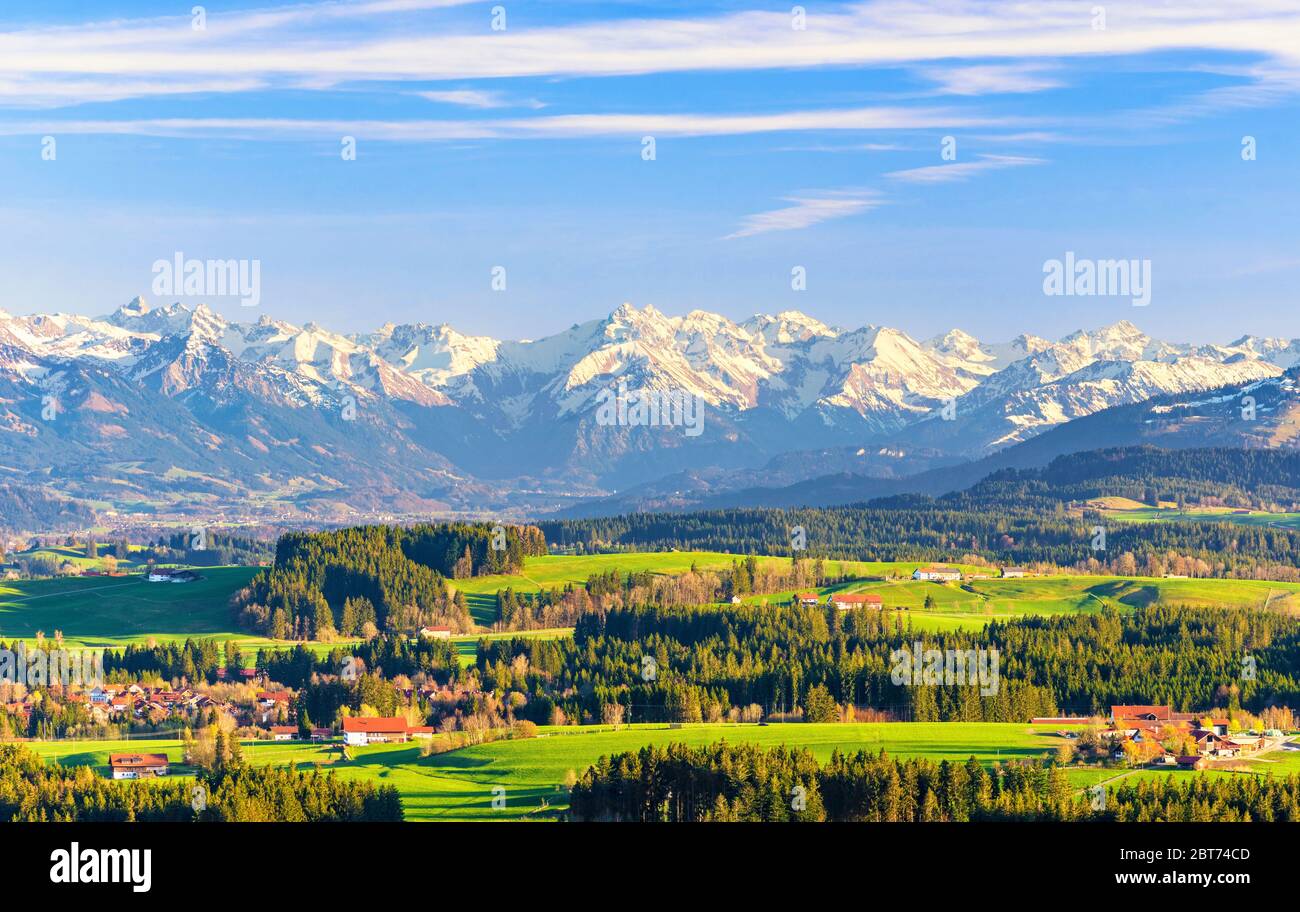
[(745, 783), (359, 581), (1026, 516), (32, 790), (713, 663)]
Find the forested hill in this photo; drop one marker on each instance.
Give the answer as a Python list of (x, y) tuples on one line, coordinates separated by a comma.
[(712, 662), (382, 577), (1019, 516), (23, 507), (1219, 476)]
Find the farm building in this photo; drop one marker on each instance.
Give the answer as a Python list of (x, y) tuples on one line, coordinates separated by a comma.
[(435, 633), (1015, 572), (849, 600), (172, 576), (939, 574), (363, 730), (269, 698), (1142, 713), (137, 766), (284, 732), (807, 598)]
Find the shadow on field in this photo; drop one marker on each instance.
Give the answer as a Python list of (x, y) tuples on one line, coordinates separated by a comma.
[(1125, 592)]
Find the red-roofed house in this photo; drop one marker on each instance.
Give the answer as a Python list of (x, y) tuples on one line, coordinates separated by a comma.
[(849, 600), (1120, 714), (374, 730), (284, 732), (436, 633), (807, 598)]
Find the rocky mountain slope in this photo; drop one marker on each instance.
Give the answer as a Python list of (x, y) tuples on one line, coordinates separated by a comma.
[(176, 409)]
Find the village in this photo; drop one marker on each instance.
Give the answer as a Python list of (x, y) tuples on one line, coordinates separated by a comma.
[(1157, 736), (267, 714)]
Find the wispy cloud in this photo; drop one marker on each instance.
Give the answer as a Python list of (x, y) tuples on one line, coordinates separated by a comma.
[(479, 98), (300, 46), (959, 171), (561, 126), (808, 210), (992, 80)]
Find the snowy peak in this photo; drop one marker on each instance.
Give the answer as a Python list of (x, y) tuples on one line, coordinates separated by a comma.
[(765, 373)]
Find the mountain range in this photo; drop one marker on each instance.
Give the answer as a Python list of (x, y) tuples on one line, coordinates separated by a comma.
[(178, 410)]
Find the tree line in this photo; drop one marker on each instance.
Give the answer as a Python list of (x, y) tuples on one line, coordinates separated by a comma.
[(360, 581), (1027, 516), (687, 664), (34, 791), (745, 783)]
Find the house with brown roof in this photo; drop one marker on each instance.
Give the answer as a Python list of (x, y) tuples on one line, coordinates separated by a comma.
[(808, 599), (284, 732), (270, 698), (137, 766), (1140, 713)]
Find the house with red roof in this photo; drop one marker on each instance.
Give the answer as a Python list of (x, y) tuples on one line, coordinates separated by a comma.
[(849, 600), (362, 730)]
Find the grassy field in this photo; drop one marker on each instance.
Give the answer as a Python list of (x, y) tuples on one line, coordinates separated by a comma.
[(554, 571), (114, 611), (77, 556), (459, 785), (95, 753), (972, 604), (1136, 512)]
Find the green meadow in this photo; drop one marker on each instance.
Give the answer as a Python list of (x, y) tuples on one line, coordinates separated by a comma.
[(1221, 514), (117, 610), (458, 785), (556, 571), (461, 784), (114, 611), (974, 603), (76, 556)]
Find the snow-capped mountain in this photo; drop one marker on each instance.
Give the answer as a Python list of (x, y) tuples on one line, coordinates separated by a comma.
[(157, 405)]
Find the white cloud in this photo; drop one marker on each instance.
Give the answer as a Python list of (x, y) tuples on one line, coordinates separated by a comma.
[(992, 80), (479, 98), (959, 171), (808, 210), (562, 126), (301, 46)]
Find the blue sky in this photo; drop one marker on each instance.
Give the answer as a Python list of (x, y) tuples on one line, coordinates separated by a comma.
[(775, 147)]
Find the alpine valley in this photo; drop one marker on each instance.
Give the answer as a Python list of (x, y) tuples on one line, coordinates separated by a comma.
[(174, 410)]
